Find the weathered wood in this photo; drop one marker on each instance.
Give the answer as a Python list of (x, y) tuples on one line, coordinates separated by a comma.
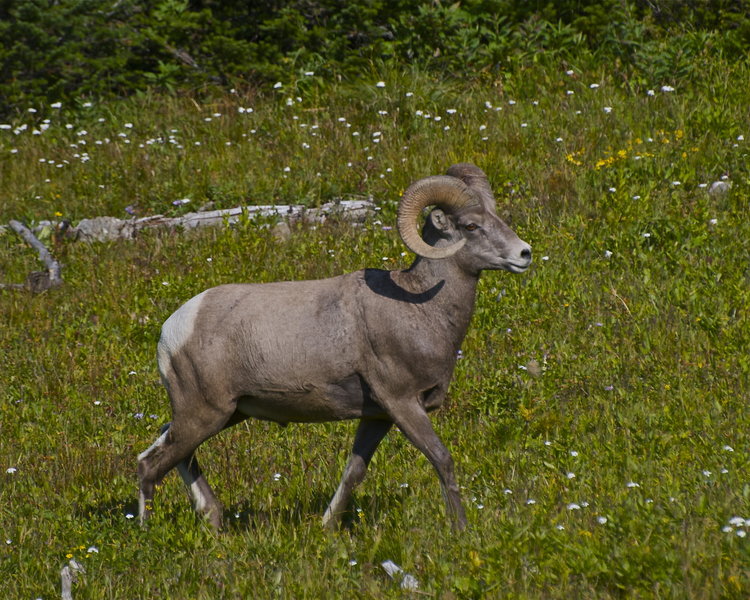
[(69, 576), (111, 228), (36, 281)]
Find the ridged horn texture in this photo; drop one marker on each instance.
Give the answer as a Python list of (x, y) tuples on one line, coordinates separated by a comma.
[(476, 179), (443, 191)]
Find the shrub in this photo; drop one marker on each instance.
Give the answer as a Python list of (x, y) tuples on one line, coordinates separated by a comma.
[(64, 50)]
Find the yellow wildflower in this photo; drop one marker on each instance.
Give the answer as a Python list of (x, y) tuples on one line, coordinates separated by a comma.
[(572, 159)]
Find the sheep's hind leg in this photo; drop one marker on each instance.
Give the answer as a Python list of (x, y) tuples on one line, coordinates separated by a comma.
[(203, 497), (369, 434), (176, 447), (147, 479), (204, 500)]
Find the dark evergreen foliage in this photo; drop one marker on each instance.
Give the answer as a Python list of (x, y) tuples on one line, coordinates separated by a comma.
[(65, 50)]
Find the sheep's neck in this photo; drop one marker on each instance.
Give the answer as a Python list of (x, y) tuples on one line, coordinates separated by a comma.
[(456, 296)]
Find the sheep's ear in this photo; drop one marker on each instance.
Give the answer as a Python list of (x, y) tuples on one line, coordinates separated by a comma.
[(441, 222)]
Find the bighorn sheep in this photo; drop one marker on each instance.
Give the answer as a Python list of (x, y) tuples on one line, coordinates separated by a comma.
[(378, 346)]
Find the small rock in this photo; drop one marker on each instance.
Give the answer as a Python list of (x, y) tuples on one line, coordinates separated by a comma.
[(408, 582), (282, 232), (719, 189)]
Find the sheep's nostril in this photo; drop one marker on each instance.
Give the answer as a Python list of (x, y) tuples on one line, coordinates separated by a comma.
[(526, 253)]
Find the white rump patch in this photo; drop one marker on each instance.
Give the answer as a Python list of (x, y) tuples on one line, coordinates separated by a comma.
[(177, 330)]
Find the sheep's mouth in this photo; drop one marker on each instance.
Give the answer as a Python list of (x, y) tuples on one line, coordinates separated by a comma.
[(517, 267)]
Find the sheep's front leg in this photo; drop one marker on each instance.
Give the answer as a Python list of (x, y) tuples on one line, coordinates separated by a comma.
[(412, 420), (369, 434)]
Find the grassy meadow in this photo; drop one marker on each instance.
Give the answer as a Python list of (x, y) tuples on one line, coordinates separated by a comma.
[(598, 417)]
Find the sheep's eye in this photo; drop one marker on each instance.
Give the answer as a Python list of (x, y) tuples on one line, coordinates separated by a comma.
[(472, 227)]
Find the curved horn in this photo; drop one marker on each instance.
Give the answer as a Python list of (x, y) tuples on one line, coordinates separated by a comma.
[(443, 191), (476, 179)]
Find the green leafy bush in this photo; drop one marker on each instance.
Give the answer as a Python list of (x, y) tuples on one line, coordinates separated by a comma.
[(66, 50)]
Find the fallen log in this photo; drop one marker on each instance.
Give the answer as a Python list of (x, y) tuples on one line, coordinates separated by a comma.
[(110, 228), (36, 281)]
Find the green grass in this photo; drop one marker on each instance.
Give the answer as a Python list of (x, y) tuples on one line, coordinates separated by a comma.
[(632, 443)]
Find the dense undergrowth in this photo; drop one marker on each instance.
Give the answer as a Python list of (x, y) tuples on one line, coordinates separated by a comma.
[(69, 52), (598, 417)]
